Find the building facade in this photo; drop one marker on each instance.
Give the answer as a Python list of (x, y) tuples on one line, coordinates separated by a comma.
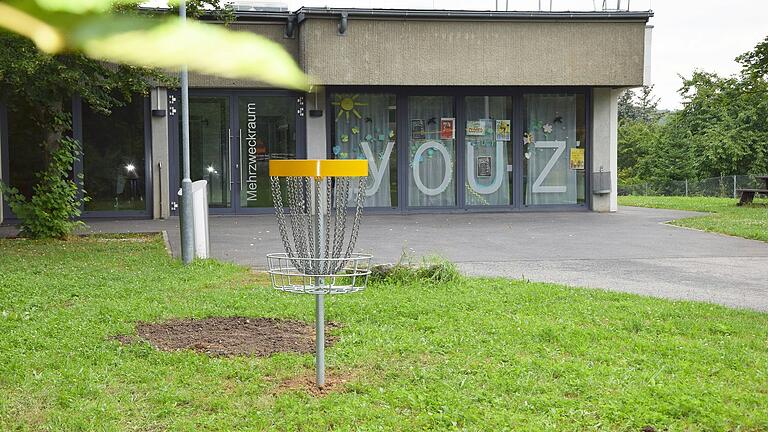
[(454, 110)]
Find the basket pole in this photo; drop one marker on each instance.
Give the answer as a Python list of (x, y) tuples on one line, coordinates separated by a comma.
[(317, 205)]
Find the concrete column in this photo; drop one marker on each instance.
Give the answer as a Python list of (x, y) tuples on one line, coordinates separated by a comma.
[(647, 55), (316, 133), (160, 162), (605, 144)]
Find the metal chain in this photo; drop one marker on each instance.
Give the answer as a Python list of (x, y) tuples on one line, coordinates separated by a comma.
[(358, 215), (280, 213), (305, 201)]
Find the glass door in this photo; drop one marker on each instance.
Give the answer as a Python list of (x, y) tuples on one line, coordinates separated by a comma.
[(232, 137), (431, 150), (488, 147), (210, 152), (267, 129)]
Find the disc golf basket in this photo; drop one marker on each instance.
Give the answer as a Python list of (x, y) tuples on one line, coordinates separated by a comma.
[(312, 199)]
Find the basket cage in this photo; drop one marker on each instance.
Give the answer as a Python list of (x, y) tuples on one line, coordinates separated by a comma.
[(318, 237)]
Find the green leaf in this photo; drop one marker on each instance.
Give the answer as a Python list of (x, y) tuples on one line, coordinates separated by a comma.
[(79, 6), (203, 48)]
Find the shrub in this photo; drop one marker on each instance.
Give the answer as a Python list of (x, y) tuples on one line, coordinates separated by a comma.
[(55, 204), (432, 270)]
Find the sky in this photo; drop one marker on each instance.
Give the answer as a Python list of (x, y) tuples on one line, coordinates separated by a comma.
[(687, 34)]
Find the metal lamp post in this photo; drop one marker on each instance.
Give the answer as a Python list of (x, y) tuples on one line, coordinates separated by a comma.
[(187, 227)]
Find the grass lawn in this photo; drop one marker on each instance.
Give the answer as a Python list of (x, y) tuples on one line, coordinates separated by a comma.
[(748, 221), (474, 354)]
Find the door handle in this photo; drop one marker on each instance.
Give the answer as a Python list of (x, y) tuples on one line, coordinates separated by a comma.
[(229, 158), (240, 155)]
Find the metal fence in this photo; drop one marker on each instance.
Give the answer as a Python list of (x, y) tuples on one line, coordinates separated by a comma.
[(724, 186)]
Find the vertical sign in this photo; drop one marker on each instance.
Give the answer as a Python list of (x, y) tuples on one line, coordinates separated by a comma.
[(251, 142)]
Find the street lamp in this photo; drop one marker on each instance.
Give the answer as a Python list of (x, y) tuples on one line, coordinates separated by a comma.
[(187, 229)]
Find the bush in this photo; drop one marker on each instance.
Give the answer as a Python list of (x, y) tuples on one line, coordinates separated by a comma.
[(432, 270), (52, 210)]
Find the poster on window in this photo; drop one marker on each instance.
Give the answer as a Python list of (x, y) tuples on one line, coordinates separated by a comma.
[(577, 159), (417, 129), (447, 128), (503, 129), (483, 166), (475, 127)]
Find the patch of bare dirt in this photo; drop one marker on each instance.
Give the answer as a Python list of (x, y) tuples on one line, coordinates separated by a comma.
[(335, 382), (231, 336)]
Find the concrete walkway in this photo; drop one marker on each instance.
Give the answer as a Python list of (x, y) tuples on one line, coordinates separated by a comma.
[(631, 251)]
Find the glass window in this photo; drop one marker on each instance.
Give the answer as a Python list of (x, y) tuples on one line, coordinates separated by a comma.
[(488, 133), (26, 154), (113, 158), (209, 147), (554, 149), (267, 131), (432, 151), (364, 127)]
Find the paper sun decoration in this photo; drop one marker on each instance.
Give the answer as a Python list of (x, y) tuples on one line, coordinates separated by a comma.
[(347, 105)]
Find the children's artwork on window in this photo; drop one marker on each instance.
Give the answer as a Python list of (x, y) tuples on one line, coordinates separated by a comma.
[(577, 159), (447, 128), (417, 129), (348, 105), (503, 129), (475, 127)]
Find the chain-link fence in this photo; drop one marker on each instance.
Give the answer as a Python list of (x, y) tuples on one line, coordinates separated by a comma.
[(724, 186)]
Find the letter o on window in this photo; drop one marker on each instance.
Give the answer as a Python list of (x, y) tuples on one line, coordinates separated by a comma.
[(448, 174)]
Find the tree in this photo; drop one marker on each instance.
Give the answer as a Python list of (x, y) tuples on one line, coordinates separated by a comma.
[(639, 131), (722, 128), (639, 107), (754, 63)]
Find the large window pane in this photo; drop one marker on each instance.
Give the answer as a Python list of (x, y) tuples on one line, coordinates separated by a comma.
[(113, 158), (364, 127), (26, 154), (488, 148), (209, 147), (267, 131), (432, 151), (554, 149)]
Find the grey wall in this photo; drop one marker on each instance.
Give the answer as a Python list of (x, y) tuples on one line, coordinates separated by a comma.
[(605, 116), (422, 52), (160, 162), (272, 31), (316, 131)]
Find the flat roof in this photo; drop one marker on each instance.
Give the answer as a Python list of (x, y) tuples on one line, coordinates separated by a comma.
[(431, 14), (470, 14)]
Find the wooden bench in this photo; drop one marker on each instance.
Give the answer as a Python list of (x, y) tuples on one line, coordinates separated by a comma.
[(747, 195)]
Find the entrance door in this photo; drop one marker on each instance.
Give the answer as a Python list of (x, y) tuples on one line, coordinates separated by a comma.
[(266, 129), (488, 151), (232, 137), (210, 148)]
